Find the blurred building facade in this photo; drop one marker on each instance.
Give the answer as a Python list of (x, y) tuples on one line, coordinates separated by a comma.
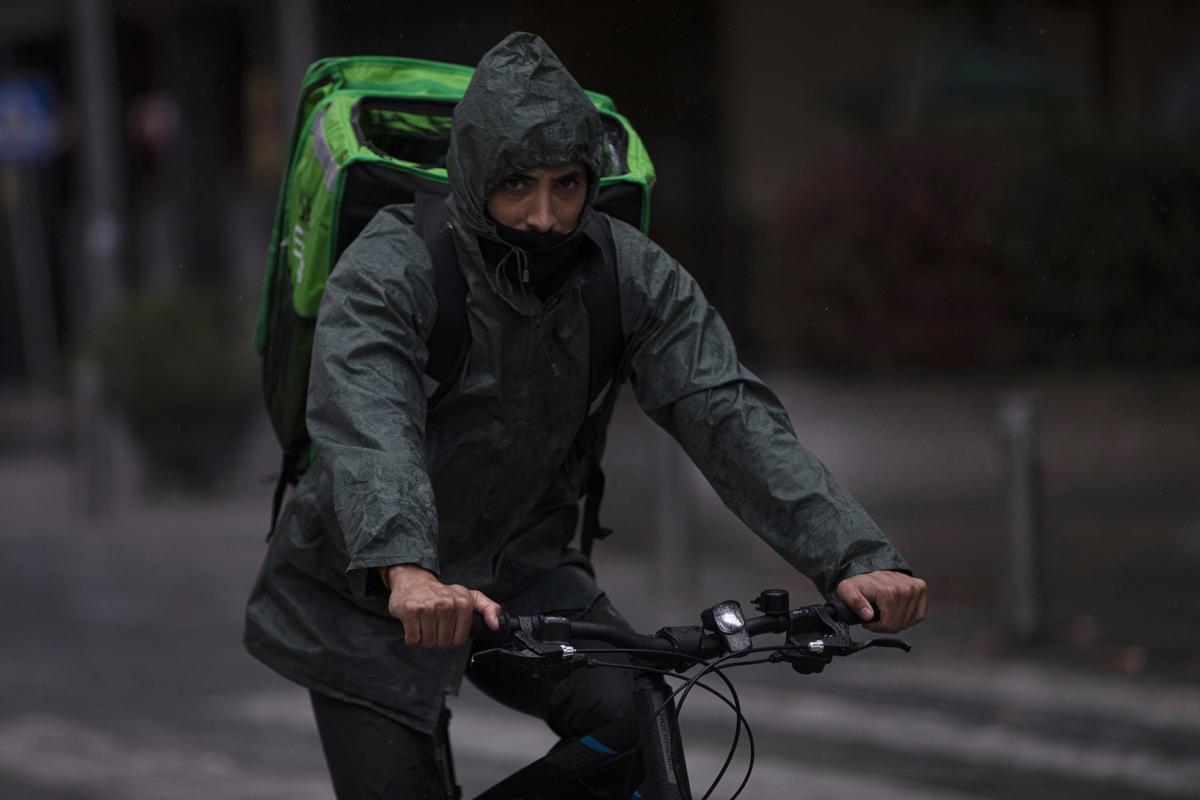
[(950, 185), (855, 184)]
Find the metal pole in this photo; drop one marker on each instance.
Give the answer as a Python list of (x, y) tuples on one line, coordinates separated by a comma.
[(35, 306), (103, 155), (1021, 590), (297, 45), (102, 179)]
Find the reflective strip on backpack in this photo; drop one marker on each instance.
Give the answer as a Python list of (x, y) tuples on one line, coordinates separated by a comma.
[(321, 148)]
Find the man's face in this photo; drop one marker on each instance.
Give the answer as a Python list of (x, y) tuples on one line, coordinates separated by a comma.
[(541, 199)]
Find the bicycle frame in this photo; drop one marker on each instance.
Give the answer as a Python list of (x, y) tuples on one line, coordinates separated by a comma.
[(662, 748)]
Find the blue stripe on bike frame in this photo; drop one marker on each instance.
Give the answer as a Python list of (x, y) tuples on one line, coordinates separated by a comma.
[(597, 745)]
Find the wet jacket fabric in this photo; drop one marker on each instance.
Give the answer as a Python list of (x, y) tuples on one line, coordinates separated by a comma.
[(483, 488)]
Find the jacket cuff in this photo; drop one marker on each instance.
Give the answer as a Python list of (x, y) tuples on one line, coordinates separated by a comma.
[(858, 566), (363, 572)]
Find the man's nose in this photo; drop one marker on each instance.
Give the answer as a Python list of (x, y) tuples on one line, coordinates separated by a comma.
[(541, 212)]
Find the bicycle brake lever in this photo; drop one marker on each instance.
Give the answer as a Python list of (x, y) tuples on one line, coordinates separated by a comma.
[(526, 644), (491, 654), (553, 663), (809, 650), (885, 641), (824, 648), (536, 647)]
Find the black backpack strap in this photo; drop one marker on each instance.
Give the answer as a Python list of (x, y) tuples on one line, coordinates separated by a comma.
[(447, 342), (592, 529), (603, 303), (288, 475), (602, 300)]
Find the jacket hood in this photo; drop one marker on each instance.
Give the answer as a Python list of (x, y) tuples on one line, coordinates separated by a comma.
[(522, 109)]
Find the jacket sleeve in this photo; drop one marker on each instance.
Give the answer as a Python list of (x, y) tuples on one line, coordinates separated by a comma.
[(687, 378), (366, 397)]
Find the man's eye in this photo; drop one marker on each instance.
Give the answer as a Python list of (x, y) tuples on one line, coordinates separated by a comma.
[(569, 182), (514, 184)]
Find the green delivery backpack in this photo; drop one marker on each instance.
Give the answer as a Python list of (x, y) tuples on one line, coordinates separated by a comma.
[(372, 131)]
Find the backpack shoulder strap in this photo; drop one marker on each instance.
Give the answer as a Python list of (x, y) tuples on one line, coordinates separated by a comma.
[(602, 300), (447, 342), (603, 303)]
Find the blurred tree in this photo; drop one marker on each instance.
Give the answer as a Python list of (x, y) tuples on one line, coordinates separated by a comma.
[(177, 370)]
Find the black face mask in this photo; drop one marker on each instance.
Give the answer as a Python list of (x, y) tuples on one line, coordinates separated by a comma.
[(532, 242), (548, 254)]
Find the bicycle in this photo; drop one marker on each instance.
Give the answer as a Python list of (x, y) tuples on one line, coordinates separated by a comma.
[(814, 636)]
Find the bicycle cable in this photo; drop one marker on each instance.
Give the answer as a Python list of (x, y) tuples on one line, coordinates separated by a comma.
[(716, 667), (709, 666), (735, 705), (741, 722)]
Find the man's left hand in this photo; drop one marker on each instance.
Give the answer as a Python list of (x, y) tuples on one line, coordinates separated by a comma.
[(899, 597)]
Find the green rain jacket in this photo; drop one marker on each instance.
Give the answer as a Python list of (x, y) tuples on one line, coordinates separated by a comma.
[(483, 489)]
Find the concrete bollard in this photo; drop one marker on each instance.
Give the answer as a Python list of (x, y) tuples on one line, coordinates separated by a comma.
[(1020, 601), (94, 463)]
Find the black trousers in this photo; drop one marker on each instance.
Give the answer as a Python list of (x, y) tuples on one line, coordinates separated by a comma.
[(372, 756)]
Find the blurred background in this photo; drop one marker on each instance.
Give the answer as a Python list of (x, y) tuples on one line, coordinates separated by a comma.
[(959, 239)]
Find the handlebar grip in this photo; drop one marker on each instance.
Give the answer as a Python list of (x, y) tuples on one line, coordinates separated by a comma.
[(847, 615), (480, 630)]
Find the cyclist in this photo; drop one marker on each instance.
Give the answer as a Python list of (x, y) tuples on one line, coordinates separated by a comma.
[(426, 517)]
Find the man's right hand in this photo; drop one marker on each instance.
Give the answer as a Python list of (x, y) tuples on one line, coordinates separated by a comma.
[(435, 615)]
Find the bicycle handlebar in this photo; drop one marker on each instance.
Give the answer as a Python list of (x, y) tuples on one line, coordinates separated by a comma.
[(691, 641)]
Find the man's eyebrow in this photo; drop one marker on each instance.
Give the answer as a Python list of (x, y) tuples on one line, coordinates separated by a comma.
[(575, 173)]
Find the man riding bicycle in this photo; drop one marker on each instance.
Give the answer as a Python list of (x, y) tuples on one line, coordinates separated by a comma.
[(420, 516)]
